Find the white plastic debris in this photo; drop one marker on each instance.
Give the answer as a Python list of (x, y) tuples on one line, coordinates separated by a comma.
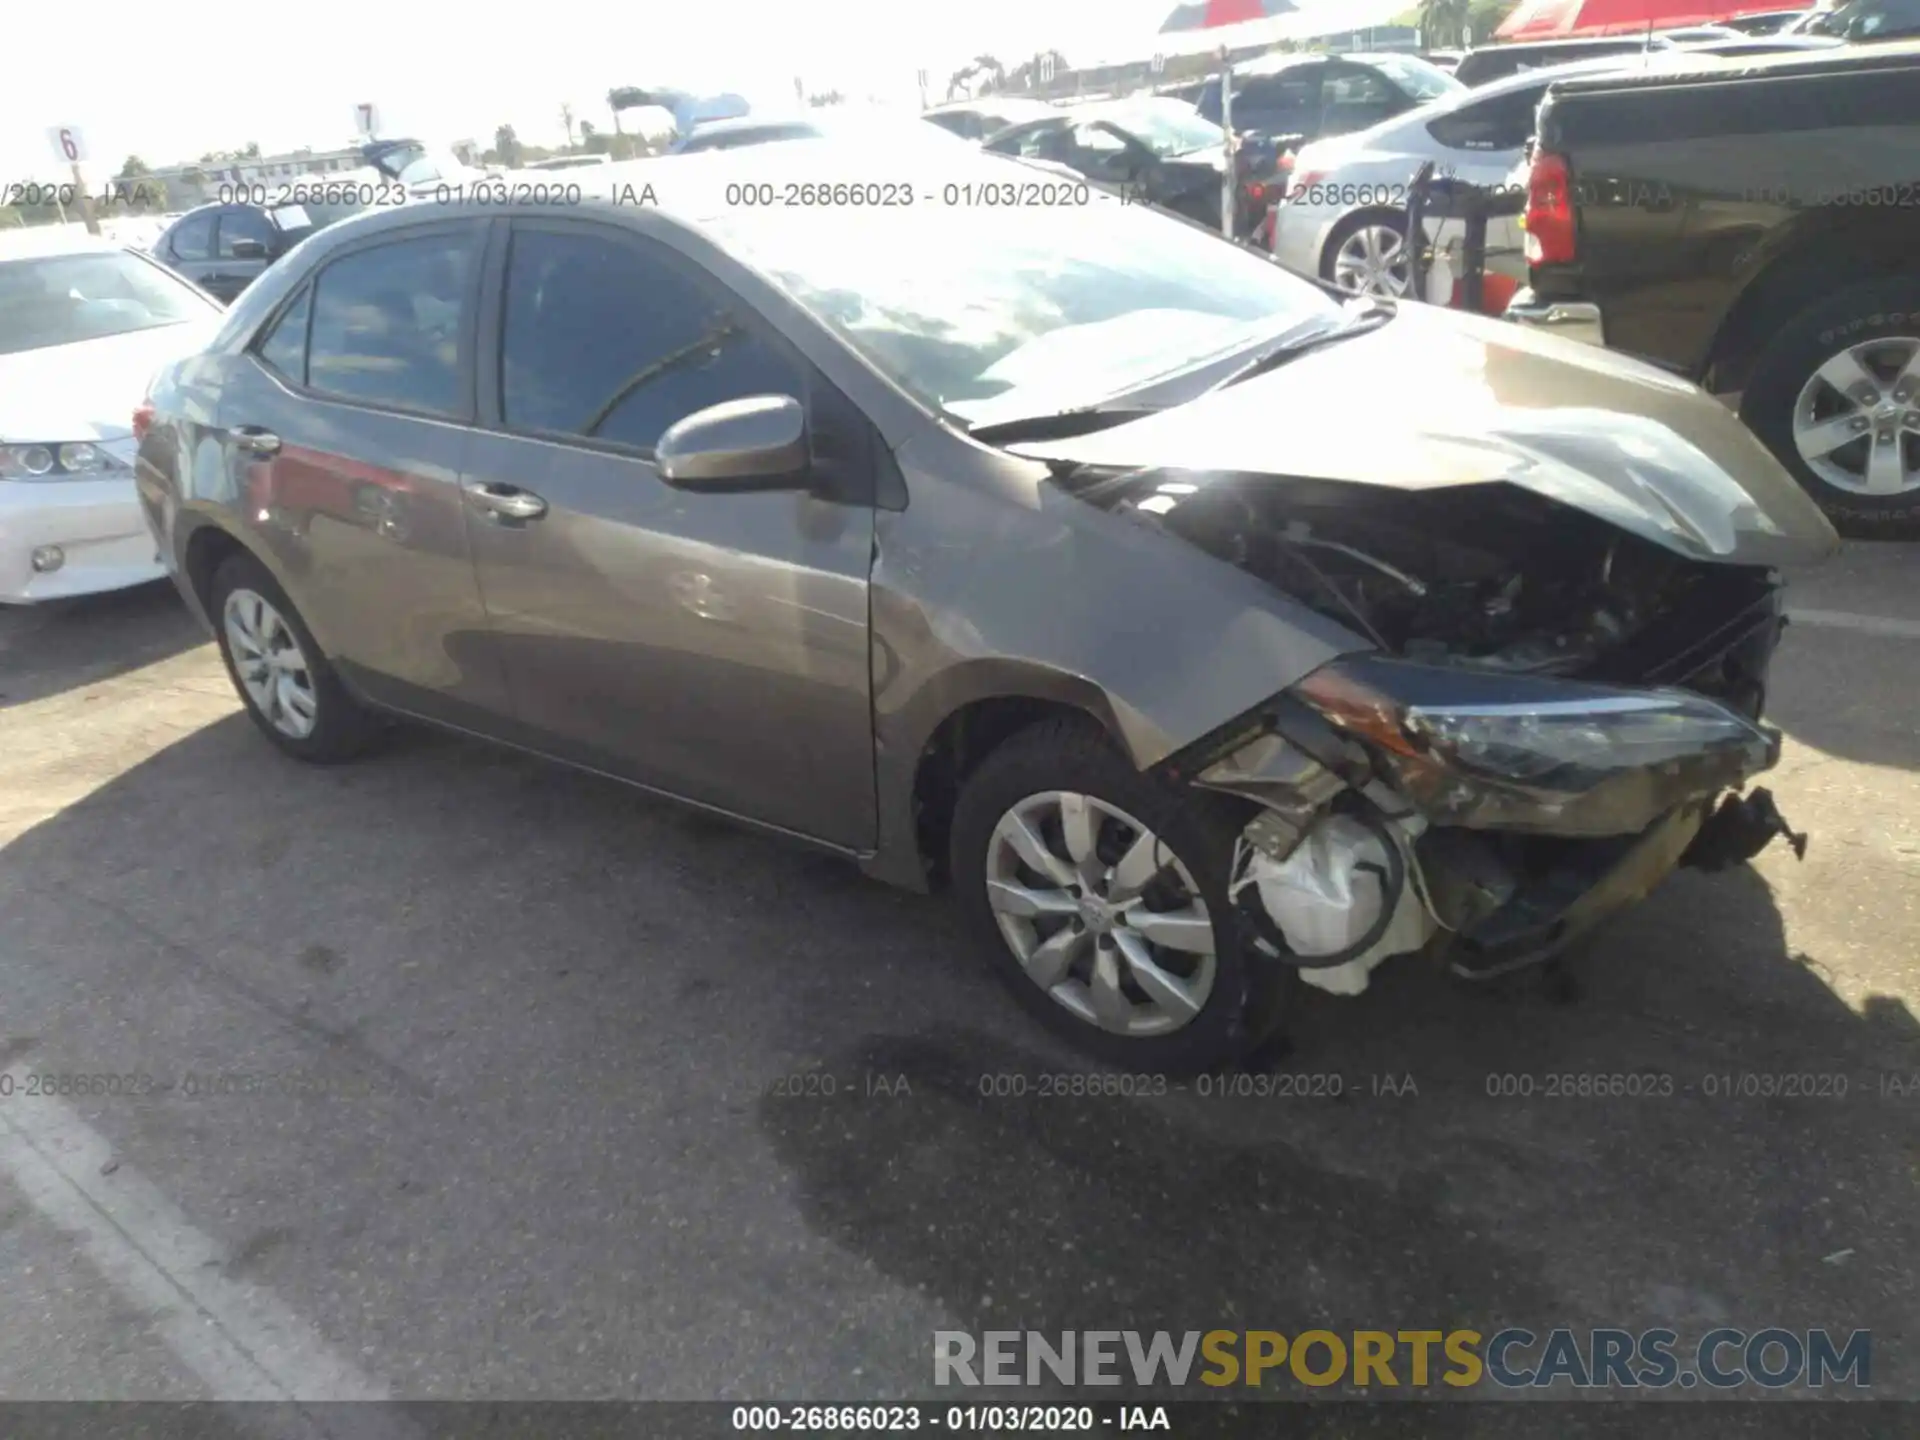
[(1327, 897)]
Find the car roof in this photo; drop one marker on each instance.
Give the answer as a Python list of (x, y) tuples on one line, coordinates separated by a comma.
[(1819, 60), (995, 104), (35, 242), (733, 124)]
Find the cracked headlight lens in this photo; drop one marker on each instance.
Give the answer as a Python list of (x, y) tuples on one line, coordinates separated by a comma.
[(1530, 752)]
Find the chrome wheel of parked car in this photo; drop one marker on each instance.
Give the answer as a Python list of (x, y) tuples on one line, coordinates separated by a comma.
[(1371, 259), (1856, 422), (1100, 913), (269, 663)]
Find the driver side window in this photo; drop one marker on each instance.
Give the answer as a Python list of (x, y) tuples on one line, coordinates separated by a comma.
[(613, 339)]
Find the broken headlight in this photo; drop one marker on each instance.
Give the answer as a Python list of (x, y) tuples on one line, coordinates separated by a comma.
[(1534, 753)]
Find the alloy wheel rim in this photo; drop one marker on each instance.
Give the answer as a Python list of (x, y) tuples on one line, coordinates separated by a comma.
[(1100, 913), (270, 663), (1856, 422), (1373, 261)]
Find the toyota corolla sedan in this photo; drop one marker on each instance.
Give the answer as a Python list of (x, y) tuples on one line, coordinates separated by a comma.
[(959, 540), (84, 323)]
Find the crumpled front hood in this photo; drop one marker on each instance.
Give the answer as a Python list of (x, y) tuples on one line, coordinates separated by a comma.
[(1437, 398)]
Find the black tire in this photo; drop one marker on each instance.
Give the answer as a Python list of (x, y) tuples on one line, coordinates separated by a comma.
[(1877, 309), (1351, 226), (342, 727), (1246, 1003)]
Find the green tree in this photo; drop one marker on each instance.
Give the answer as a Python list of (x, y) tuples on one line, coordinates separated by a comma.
[(1485, 16), (506, 145), (1443, 22), (252, 152), (134, 168), (566, 119)]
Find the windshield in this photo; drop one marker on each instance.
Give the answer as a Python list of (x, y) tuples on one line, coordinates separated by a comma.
[(1419, 79), (1166, 127), (988, 314), (63, 299)]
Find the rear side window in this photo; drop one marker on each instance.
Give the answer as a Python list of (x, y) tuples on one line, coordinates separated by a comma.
[(1504, 123), (244, 225), (193, 238), (1283, 103), (616, 341), (386, 324), (285, 345)]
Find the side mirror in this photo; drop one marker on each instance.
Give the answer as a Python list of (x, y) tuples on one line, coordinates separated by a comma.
[(249, 250), (759, 443)]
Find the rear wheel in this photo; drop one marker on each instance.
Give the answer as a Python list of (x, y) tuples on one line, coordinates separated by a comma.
[(1102, 895), (286, 684), (1368, 255), (1836, 396)]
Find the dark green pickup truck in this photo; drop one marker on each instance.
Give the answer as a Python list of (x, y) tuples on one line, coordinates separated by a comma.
[(1757, 230)]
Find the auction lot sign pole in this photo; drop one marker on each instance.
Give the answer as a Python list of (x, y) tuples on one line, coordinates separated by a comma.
[(70, 147), (1226, 124)]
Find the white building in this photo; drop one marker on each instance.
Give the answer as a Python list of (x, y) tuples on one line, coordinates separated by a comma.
[(193, 184)]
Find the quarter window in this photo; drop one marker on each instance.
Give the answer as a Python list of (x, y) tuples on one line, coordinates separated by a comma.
[(1505, 123), (386, 324), (285, 346), (616, 341), (193, 239)]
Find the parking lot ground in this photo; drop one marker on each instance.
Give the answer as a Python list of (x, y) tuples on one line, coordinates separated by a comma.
[(544, 1138)]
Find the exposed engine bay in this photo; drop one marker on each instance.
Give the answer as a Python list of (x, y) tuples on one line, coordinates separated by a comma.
[(1488, 576), (1558, 715)]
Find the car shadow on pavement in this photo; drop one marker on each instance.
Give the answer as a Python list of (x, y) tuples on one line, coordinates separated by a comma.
[(49, 649), (1425, 1156)]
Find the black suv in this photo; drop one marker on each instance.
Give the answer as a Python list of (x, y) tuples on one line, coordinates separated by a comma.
[(224, 247)]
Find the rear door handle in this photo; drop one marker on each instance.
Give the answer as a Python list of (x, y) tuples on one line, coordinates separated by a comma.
[(254, 439), (507, 502)]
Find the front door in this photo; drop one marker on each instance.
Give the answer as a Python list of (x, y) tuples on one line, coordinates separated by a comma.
[(711, 646)]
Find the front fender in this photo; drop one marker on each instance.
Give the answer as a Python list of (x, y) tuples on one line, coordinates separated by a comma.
[(997, 582)]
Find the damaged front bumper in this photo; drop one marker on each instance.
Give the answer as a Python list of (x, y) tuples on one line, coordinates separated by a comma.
[(1492, 820)]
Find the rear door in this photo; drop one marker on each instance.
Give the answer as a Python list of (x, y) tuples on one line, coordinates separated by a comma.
[(712, 646), (346, 426)]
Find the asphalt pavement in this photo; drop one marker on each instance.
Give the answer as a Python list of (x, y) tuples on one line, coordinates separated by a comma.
[(582, 1095)]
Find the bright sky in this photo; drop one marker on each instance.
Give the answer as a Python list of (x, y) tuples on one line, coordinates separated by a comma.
[(168, 87)]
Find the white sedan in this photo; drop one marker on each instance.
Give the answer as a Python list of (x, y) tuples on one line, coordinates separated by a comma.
[(1344, 218), (84, 324)]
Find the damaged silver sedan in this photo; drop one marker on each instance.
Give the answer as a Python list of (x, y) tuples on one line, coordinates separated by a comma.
[(1205, 629)]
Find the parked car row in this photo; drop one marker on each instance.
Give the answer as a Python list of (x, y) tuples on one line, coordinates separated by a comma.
[(1756, 230)]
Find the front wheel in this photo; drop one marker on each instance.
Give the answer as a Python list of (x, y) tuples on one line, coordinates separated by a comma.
[(1102, 895), (1836, 396)]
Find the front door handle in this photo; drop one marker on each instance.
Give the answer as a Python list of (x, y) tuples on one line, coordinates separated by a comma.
[(253, 438), (507, 502)]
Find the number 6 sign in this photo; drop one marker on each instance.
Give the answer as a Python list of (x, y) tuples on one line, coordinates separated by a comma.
[(69, 145)]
